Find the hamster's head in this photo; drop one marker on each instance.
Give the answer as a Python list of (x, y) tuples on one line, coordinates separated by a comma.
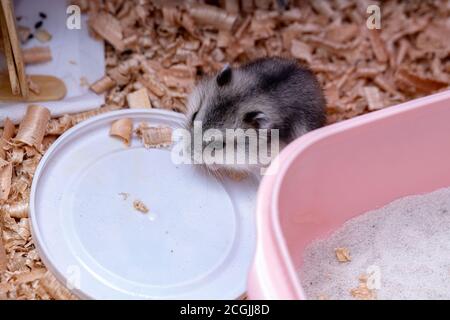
[(227, 105)]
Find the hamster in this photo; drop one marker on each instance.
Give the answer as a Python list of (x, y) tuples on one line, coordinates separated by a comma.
[(267, 93)]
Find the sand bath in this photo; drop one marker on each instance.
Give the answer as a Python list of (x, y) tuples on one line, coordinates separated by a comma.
[(403, 248)]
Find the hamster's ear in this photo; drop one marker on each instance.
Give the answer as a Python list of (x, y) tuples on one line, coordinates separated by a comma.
[(224, 76), (257, 120)]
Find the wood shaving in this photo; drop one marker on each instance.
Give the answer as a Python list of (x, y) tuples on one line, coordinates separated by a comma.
[(342, 254), (43, 35), (123, 129), (102, 85), (411, 82), (33, 126), (214, 17), (157, 88), (373, 97), (109, 28), (8, 133), (378, 46), (6, 171), (154, 137), (139, 99), (16, 155), (3, 256), (140, 206), (323, 7), (362, 292), (59, 126), (36, 55), (16, 210), (31, 276), (77, 118), (301, 50), (232, 6), (55, 289)]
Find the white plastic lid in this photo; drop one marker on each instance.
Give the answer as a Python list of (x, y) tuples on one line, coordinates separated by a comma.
[(196, 242)]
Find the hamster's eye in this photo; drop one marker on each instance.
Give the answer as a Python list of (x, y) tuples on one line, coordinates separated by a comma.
[(255, 119), (194, 115)]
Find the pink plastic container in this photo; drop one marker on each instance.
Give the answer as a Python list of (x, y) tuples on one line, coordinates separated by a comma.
[(336, 173)]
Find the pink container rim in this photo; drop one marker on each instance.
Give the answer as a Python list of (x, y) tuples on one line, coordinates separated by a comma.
[(272, 275)]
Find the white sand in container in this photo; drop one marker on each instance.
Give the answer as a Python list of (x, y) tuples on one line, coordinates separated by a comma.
[(408, 240)]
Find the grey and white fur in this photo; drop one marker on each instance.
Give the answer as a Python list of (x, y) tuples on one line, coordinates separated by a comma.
[(267, 93)]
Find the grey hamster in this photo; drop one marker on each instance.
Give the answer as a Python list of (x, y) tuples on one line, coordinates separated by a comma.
[(267, 93)]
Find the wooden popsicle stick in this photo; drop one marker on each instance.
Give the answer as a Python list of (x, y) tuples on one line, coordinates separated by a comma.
[(9, 58), (8, 12), (50, 89)]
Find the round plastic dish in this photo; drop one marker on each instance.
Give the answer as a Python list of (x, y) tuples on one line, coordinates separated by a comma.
[(196, 241)]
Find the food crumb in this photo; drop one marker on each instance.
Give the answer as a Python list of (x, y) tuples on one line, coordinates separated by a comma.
[(342, 254), (140, 206)]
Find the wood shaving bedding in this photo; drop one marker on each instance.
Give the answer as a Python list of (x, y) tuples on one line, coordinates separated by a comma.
[(36, 55), (16, 210), (139, 99), (166, 49), (154, 137), (3, 256), (102, 85), (33, 126), (6, 171), (123, 129), (212, 16), (109, 28), (8, 133)]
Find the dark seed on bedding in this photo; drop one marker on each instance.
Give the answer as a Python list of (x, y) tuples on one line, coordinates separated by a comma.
[(30, 36), (42, 15), (18, 18), (38, 24)]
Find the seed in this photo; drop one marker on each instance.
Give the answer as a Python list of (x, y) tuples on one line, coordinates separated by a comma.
[(38, 24)]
